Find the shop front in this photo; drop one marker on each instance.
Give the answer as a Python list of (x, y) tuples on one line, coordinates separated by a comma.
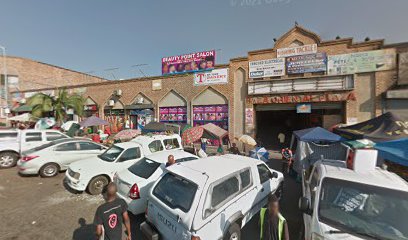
[(90, 108), (210, 107), (173, 109), (140, 112), (114, 113)]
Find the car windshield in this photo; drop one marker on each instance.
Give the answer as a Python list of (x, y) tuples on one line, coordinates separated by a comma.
[(144, 168), (175, 192), (364, 210), (111, 154)]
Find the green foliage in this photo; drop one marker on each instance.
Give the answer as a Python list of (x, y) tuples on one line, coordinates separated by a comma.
[(42, 104)]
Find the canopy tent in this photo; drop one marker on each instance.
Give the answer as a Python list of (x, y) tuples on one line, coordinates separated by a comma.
[(316, 134), (394, 151), (25, 117), (22, 108), (209, 131), (386, 127), (160, 127), (93, 121), (215, 130)]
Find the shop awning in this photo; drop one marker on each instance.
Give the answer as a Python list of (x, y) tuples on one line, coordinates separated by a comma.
[(139, 106), (215, 130), (386, 127), (22, 108), (159, 127), (394, 151)]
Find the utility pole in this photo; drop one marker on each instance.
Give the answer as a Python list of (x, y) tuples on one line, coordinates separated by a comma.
[(5, 76)]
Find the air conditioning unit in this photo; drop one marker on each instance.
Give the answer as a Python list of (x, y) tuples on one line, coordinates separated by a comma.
[(111, 103), (119, 92), (140, 100)]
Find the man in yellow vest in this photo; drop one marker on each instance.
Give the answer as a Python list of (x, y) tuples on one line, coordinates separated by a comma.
[(273, 225)]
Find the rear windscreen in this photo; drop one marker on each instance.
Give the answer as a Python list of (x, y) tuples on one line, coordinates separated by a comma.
[(175, 192), (144, 168)]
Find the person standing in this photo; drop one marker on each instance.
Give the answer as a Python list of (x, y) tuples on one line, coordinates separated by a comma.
[(234, 149), (273, 225), (110, 215)]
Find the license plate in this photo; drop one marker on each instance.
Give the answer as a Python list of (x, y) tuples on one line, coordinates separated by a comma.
[(148, 232)]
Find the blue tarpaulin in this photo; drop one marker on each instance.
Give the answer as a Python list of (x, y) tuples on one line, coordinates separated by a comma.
[(316, 134), (394, 151)]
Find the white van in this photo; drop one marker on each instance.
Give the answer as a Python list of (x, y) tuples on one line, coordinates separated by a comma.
[(207, 199), (359, 202)]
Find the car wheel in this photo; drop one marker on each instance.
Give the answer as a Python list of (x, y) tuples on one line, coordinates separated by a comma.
[(233, 233), (8, 159), (49, 170), (97, 184)]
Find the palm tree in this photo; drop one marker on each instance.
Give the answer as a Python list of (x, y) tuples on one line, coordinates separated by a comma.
[(42, 104)]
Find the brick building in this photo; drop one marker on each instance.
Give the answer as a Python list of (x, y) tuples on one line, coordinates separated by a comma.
[(302, 81)]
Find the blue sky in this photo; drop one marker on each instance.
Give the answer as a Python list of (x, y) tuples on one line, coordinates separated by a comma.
[(95, 35)]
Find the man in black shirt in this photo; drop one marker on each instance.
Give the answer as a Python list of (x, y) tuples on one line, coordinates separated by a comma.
[(110, 216)]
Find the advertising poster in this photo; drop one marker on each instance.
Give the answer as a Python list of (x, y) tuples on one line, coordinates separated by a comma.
[(267, 68), (304, 108), (192, 62), (403, 68), (216, 76), (306, 63), (173, 114), (216, 114), (249, 116), (361, 62), (294, 51)]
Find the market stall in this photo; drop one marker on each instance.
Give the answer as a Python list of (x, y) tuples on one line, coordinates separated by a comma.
[(395, 155)]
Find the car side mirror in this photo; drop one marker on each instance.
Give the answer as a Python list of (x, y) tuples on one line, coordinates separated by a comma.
[(304, 205), (274, 175)]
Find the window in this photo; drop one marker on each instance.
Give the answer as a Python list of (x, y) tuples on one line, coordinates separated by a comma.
[(171, 143), (245, 179), (224, 190), (51, 136), (144, 168), (264, 173), (4, 136), (129, 154), (33, 137), (186, 159), (155, 146), (89, 146), (175, 192), (72, 146), (111, 154)]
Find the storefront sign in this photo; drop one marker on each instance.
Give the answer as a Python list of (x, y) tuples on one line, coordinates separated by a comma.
[(156, 85), (267, 68), (360, 62), (249, 116), (403, 68), (304, 108), (216, 76), (306, 63), (318, 97), (90, 108), (192, 62), (293, 51)]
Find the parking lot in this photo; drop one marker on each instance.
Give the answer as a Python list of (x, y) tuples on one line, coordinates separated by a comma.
[(38, 208)]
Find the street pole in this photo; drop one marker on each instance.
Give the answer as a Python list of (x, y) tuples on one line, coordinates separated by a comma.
[(5, 76)]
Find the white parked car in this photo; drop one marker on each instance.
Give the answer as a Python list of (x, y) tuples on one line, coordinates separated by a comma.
[(14, 142), (354, 203), (50, 158), (209, 198), (95, 173), (134, 183)]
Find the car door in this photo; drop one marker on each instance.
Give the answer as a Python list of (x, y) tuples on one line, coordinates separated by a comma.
[(31, 140), (127, 158), (65, 153), (310, 189), (89, 149), (266, 185)]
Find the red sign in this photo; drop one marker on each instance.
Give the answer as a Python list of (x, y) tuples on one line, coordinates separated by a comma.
[(322, 97)]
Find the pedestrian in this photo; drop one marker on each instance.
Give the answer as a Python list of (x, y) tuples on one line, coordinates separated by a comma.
[(170, 161), (234, 149), (110, 215), (220, 150), (204, 144), (273, 225)]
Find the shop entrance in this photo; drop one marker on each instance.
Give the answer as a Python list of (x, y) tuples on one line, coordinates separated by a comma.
[(275, 127)]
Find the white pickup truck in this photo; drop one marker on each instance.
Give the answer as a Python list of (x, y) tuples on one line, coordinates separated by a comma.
[(359, 202), (14, 142), (209, 198)]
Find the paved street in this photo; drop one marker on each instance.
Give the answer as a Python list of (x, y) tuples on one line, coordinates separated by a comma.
[(37, 208)]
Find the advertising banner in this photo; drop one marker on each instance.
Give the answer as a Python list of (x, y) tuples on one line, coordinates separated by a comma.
[(216, 76), (293, 51), (306, 63), (267, 68), (192, 62), (360, 62)]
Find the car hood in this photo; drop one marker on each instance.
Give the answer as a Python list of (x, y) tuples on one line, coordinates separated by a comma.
[(93, 166)]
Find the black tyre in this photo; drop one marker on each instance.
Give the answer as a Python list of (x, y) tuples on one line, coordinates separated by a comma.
[(97, 184), (49, 170), (8, 159), (233, 233)]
